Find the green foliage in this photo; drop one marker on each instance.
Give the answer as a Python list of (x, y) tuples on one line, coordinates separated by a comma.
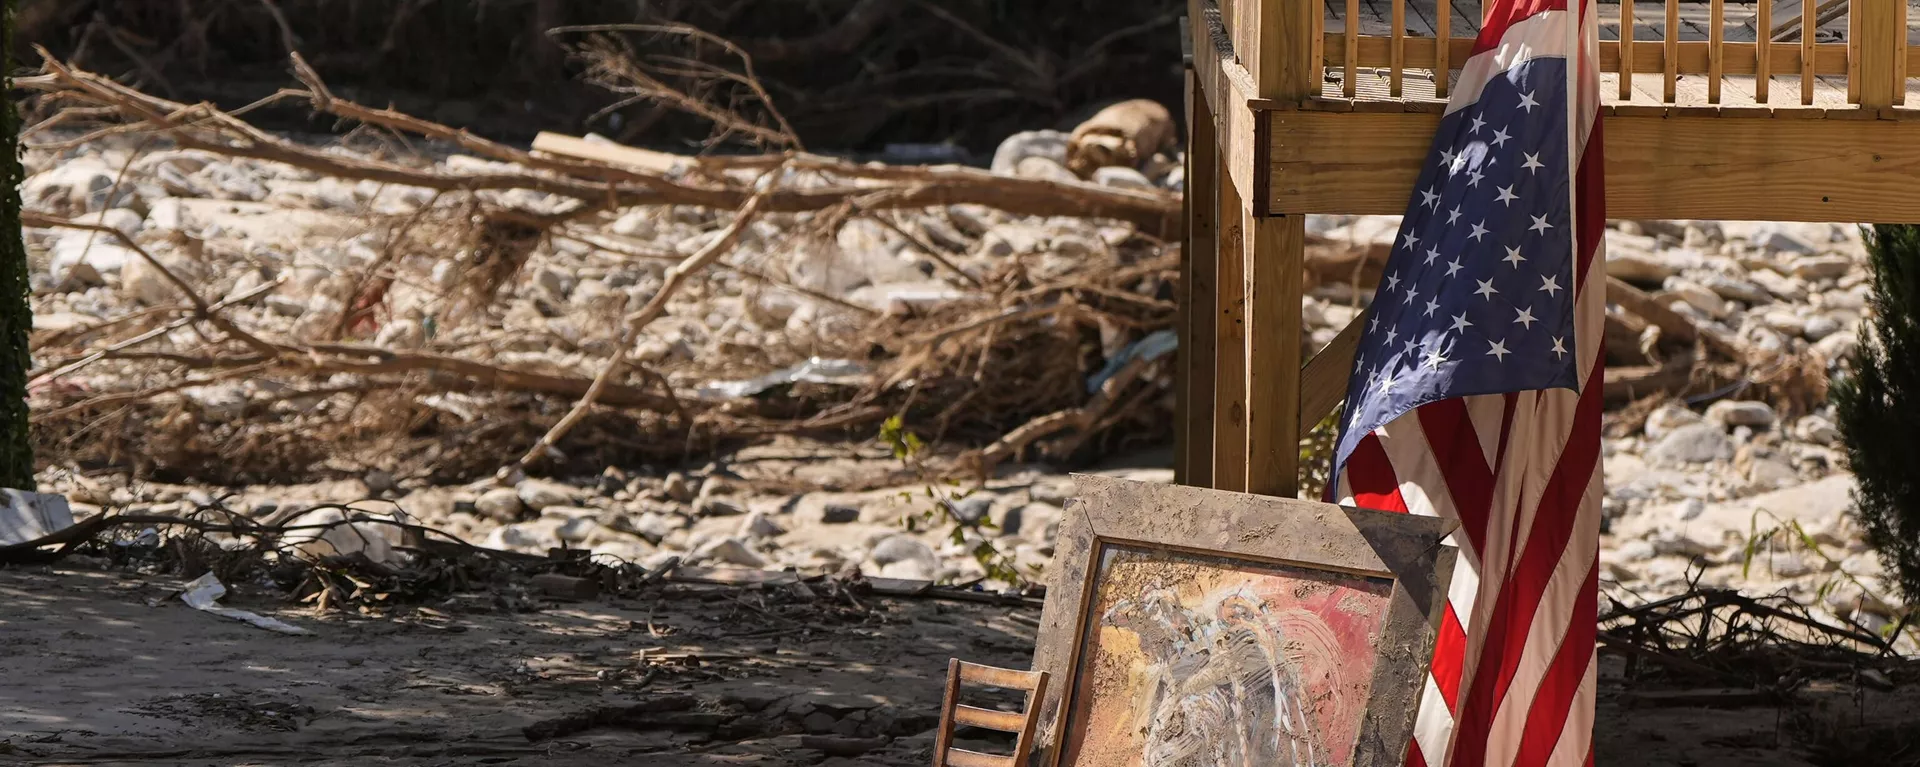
[(1316, 454), (1875, 405), (941, 495), (1785, 536), (16, 317)]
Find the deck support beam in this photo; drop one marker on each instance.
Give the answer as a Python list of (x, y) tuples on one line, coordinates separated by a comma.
[(1857, 165), (1199, 282)]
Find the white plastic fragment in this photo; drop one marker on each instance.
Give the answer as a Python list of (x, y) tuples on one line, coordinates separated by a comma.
[(26, 516), (204, 593)]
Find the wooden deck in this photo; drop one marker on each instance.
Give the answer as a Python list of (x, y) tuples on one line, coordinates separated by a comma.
[(1739, 26)]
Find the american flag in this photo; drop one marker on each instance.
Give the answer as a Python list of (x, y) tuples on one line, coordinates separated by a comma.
[(1475, 394)]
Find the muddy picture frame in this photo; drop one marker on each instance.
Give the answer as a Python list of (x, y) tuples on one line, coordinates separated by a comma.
[(1256, 531)]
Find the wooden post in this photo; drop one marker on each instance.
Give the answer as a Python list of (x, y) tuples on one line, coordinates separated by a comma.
[(1716, 48), (1876, 24), (1626, 49), (1273, 251), (1278, 247), (1197, 358), (1671, 52), (1230, 339), (1762, 66)]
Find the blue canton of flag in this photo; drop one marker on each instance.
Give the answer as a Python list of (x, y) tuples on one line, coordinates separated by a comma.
[(1477, 295)]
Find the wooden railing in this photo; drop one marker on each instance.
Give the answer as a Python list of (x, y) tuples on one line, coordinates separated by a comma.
[(1864, 62)]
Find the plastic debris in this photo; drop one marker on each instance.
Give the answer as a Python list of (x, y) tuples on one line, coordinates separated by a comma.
[(1156, 345), (204, 593), (814, 370), (27, 516)]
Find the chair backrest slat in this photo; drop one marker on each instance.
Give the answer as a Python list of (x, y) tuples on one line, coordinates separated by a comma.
[(953, 713)]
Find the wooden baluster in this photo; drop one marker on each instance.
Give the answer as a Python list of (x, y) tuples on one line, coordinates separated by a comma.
[(1762, 63), (1443, 50), (1671, 53), (1808, 16), (1626, 50), (1716, 48), (1352, 39), (1397, 61), (1875, 23), (1853, 51), (1900, 56)]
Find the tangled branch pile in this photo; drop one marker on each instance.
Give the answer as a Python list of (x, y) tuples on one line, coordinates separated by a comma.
[(225, 303)]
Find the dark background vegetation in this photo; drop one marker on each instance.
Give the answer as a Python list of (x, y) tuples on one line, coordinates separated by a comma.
[(850, 75)]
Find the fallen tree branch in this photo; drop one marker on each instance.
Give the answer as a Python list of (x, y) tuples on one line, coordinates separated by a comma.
[(676, 277)]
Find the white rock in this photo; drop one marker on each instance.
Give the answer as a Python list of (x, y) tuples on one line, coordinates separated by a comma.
[(1816, 429), (731, 551), (1688, 509), (1696, 296), (1641, 267), (1122, 178), (1820, 326), (902, 548), (77, 186), (1775, 239), (362, 533), (1045, 170), (85, 259), (1668, 417), (1741, 413), (653, 526), (636, 223), (142, 283), (1736, 289), (578, 529), (126, 221), (757, 525), (1696, 443), (534, 536), (1781, 286), (1821, 267), (501, 504), (1838, 346), (539, 494), (1011, 240), (973, 220), (1048, 144)]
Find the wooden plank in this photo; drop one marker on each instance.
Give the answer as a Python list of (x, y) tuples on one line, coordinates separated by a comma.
[(1786, 17), (1004, 721), (1397, 66), (1276, 251), (1648, 56), (960, 757), (1023, 746), (1680, 166), (1283, 61), (1323, 380), (1197, 350), (1899, 54), (1230, 344), (1671, 61), (1443, 54), (1625, 46), (608, 152), (1806, 56), (1350, 44), (1716, 48), (1877, 22), (1763, 69), (1003, 678)]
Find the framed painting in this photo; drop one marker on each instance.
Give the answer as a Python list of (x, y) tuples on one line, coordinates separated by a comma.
[(1194, 626)]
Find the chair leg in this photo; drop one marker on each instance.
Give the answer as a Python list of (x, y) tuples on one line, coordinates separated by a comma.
[(943, 739)]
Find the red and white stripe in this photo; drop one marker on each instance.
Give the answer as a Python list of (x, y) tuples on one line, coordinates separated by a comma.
[(1512, 682)]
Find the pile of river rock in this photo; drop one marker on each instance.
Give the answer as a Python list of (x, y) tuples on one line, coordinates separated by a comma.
[(1688, 497)]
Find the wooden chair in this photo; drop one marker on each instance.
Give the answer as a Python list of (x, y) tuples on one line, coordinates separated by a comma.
[(953, 713)]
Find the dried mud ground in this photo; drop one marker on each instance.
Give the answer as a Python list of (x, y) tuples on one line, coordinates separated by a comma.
[(111, 669)]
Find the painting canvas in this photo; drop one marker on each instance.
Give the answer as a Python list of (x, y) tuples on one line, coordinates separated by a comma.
[(1200, 627), (1194, 659)]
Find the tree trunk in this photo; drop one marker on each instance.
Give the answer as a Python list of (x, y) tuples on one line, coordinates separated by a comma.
[(16, 318)]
